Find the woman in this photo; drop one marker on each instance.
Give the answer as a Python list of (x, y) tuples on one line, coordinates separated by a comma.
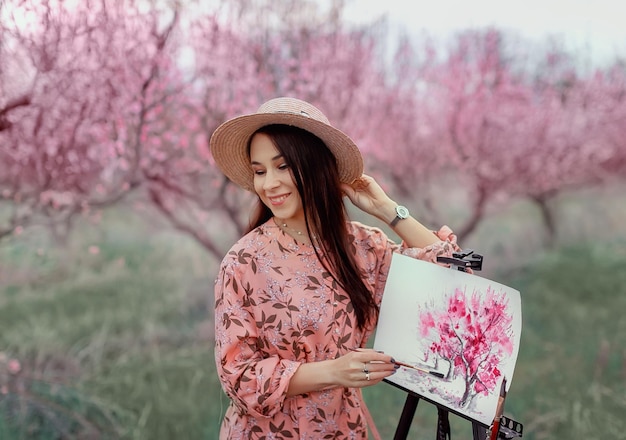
[(298, 296)]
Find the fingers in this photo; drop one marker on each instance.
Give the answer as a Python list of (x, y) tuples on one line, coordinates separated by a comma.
[(368, 367), (371, 374), (366, 355), (361, 182), (348, 190)]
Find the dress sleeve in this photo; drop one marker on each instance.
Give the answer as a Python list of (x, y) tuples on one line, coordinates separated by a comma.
[(444, 247), (255, 381)]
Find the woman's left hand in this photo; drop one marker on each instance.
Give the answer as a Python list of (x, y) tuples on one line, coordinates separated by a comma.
[(367, 195)]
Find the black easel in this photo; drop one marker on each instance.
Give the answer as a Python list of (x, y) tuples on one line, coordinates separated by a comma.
[(508, 428)]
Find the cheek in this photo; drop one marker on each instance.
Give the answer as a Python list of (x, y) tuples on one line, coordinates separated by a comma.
[(257, 183)]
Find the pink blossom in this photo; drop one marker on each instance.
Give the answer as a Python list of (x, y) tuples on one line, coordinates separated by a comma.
[(473, 333), (14, 366)]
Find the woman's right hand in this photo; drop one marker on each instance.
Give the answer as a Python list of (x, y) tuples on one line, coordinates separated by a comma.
[(358, 368), (362, 367)]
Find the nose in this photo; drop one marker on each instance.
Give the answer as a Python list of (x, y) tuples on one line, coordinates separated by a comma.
[(271, 180)]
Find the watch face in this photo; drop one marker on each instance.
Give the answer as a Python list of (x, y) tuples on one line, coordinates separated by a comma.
[(402, 212)]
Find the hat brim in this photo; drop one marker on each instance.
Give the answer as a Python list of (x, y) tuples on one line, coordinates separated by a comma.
[(229, 145)]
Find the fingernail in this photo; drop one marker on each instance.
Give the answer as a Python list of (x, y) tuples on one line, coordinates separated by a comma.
[(393, 361), (396, 366)]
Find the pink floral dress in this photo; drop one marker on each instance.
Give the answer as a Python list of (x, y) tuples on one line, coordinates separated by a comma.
[(276, 307)]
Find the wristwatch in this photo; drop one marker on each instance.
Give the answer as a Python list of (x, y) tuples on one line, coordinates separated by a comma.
[(401, 213)]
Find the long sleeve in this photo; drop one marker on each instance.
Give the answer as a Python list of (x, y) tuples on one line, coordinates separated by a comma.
[(255, 380), (444, 247)]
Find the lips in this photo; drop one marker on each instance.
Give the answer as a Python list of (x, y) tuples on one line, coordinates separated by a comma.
[(278, 200)]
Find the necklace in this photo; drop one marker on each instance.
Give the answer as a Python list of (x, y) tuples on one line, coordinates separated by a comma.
[(286, 226), (291, 231)]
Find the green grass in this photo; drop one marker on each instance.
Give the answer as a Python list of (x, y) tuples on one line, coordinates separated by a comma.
[(571, 376), (120, 342), (117, 342)]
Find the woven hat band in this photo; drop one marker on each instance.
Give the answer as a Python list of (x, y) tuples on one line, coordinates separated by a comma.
[(294, 107)]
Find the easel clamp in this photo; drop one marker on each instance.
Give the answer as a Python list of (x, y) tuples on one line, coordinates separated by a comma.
[(463, 260)]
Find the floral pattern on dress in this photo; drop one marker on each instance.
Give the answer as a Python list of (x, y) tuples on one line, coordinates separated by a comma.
[(276, 307)]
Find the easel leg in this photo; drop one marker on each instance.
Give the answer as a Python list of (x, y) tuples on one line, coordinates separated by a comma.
[(443, 424), (480, 432), (408, 412)]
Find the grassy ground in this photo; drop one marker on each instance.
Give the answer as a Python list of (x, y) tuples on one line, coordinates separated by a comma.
[(114, 340)]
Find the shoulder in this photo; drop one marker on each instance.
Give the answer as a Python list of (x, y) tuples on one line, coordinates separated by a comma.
[(251, 244), (367, 236), (360, 230)]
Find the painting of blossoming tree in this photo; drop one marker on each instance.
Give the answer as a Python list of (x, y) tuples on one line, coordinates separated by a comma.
[(456, 334)]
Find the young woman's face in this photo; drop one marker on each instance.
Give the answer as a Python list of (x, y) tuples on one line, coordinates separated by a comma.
[(273, 181)]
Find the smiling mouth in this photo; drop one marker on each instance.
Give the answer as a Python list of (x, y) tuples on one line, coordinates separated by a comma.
[(278, 200)]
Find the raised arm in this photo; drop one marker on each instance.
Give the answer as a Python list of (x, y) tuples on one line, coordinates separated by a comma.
[(367, 195)]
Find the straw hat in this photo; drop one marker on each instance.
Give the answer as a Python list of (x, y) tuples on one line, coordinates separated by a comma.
[(229, 143)]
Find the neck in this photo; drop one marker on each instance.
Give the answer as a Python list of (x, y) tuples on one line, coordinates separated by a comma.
[(300, 234)]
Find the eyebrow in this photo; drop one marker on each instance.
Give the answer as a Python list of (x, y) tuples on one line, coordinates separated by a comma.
[(275, 158)]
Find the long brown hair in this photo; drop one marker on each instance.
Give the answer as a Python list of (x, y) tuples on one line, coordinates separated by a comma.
[(314, 170)]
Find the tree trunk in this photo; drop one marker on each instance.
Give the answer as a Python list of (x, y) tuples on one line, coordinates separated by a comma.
[(547, 217), (478, 211)]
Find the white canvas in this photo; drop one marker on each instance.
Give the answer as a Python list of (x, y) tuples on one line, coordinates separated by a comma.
[(457, 325)]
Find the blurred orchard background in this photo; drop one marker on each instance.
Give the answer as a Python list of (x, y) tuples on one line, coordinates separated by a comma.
[(113, 217)]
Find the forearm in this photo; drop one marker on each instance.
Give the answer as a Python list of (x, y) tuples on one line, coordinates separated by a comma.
[(411, 231), (367, 195), (358, 368), (313, 376)]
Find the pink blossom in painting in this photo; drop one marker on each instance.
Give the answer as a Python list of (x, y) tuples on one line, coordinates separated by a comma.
[(472, 335)]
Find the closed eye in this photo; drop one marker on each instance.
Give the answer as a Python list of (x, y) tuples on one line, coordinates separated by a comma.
[(262, 171)]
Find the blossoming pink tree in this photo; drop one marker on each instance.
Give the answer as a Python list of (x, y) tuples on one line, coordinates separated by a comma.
[(614, 124), (103, 98), (488, 120), (561, 142), (472, 334), (84, 83), (113, 97), (312, 57)]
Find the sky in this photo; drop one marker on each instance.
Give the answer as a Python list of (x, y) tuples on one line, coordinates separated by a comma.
[(597, 27)]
